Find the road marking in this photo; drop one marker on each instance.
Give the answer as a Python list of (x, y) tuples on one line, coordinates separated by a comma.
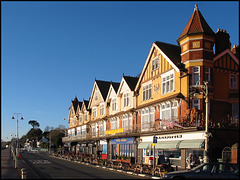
[(40, 162)]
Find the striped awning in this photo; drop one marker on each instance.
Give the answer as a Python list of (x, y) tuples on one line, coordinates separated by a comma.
[(144, 145), (197, 143), (167, 145)]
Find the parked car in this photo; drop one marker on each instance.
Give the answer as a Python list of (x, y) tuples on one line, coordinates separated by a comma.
[(212, 170)]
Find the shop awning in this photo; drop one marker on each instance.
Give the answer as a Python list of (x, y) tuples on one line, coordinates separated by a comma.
[(167, 144), (198, 143), (144, 145)]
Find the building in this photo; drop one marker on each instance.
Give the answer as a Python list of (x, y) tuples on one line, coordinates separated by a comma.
[(168, 102)]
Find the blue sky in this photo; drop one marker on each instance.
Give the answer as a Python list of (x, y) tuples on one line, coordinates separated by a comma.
[(53, 51)]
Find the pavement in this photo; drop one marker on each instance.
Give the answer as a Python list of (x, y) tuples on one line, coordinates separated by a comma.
[(8, 170)]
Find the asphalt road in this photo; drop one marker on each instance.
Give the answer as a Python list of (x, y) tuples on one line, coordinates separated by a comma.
[(48, 167)]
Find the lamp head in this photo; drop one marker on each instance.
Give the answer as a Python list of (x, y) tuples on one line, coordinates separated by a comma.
[(21, 118), (13, 117)]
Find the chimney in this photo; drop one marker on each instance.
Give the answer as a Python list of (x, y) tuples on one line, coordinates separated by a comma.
[(222, 41), (235, 50)]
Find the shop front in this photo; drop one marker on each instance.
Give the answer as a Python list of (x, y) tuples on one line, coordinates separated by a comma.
[(123, 147), (172, 147)]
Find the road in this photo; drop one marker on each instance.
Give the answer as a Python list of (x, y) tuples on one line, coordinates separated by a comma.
[(48, 167)]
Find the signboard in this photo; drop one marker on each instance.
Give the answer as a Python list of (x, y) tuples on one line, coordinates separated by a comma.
[(122, 141), (172, 137)]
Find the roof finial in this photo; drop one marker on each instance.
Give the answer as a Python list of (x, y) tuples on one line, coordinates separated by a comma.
[(196, 7)]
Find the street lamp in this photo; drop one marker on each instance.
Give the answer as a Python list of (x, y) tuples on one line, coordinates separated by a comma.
[(17, 145), (205, 92)]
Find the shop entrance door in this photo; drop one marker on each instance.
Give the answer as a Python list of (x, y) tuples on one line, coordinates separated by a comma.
[(114, 151)]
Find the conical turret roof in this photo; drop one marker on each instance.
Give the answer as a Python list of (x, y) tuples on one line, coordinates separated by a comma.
[(196, 25)]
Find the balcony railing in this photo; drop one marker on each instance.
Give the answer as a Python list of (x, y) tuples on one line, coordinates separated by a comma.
[(156, 126)]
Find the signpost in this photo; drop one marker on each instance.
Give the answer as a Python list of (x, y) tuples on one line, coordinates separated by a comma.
[(153, 144)]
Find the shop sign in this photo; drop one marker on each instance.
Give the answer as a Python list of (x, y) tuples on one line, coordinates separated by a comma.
[(177, 136), (122, 141), (114, 131)]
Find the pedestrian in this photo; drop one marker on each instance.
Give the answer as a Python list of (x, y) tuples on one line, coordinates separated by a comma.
[(190, 162)]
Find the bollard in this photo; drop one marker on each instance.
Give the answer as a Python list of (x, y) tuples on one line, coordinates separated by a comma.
[(24, 173)]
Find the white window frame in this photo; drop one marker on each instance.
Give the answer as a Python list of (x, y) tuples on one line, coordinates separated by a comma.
[(78, 131), (113, 123), (166, 111), (84, 131), (102, 109), (85, 116), (126, 99), (155, 63), (174, 110), (94, 114), (233, 81), (114, 104), (147, 91), (168, 82), (80, 118), (195, 73), (196, 103)]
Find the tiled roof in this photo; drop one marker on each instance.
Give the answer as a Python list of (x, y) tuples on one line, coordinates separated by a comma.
[(131, 81), (75, 104), (197, 24), (80, 105), (85, 102), (104, 87), (171, 51), (115, 86)]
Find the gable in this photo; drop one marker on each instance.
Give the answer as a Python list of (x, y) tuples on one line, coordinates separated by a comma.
[(123, 87), (111, 93), (96, 96), (160, 53), (226, 60)]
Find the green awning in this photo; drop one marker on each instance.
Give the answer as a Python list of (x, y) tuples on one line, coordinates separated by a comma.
[(167, 145), (198, 143), (144, 145)]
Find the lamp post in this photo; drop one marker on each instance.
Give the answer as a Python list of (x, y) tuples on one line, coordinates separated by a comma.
[(205, 92), (17, 144)]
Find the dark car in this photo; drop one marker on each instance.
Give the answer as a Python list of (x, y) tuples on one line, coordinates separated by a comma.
[(207, 171)]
